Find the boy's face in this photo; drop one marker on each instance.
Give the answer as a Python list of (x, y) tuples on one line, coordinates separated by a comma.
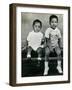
[(53, 23), (37, 27)]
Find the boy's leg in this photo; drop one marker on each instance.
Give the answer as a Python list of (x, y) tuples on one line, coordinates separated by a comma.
[(29, 52), (58, 51), (46, 67), (39, 51)]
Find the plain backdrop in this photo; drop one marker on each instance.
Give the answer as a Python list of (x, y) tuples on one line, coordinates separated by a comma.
[(27, 21), (4, 45)]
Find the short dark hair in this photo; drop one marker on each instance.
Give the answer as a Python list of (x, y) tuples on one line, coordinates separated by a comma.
[(37, 20), (53, 16)]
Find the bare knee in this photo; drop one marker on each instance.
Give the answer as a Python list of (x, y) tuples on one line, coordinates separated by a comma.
[(29, 49), (39, 50), (47, 51), (58, 51)]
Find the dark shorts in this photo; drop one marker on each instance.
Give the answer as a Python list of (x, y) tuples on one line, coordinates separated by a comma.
[(38, 51)]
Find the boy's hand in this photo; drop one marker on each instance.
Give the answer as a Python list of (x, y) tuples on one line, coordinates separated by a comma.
[(43, 41), (46, 44)]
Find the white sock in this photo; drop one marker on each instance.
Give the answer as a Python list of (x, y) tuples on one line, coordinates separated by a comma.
[(59, 69), (59, 66), (28, 55), (46, 68)]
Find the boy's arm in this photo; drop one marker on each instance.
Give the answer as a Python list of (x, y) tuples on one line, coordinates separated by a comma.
[(47, 37), (47, 42), (43, 41), (60, 39), (60, 42), (26, 42), (25, 45)]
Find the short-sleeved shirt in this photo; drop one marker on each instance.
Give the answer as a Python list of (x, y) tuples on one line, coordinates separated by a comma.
[(53, 35), (34, 39)]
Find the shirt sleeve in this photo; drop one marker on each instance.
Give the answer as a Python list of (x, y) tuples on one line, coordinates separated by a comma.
[(47, 33)]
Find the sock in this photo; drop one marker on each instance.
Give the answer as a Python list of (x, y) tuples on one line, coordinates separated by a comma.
[(59, 69), (28, 55), (46, 68)]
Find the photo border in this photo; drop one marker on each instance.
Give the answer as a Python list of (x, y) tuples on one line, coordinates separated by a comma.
[(12, 63)]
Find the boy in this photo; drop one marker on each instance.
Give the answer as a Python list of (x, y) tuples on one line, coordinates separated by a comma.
[(53, 42), (34, 39)]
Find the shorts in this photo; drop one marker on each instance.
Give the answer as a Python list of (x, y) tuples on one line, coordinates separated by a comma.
[(52, 49)]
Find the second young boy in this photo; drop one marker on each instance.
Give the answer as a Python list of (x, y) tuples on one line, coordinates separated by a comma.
[(53, 43)]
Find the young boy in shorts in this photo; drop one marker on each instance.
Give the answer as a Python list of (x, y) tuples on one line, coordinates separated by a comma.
[(53, 42), (34, 39)]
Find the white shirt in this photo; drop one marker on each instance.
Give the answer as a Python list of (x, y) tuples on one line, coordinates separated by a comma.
[(54, 35), (34, 39)]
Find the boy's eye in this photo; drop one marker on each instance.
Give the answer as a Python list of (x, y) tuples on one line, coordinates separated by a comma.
[(37, 26), (54, 22)]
